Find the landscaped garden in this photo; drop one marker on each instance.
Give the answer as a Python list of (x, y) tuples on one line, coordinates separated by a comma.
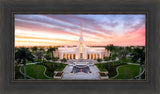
[(35, 71), (110, 67), (44, 66), (127, 72), (51, 67), (102, 66), (60, 66)]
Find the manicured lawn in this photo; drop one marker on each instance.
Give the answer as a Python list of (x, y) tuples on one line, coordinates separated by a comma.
[(29, 62), (128, 72), (35, 71)]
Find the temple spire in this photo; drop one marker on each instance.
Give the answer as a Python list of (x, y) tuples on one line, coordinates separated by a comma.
[(81, 36), (81, 41), (81, 28)]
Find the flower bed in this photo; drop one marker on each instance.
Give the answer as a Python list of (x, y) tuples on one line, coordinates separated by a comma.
[(103, 75), (58, 75)]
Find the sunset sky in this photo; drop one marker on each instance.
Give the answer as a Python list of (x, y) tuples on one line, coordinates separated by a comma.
[(64, 30)]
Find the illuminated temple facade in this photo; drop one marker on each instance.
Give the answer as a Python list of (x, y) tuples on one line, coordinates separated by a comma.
[(81, 51)]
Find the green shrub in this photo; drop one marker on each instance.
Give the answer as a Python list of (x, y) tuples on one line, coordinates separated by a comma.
[(126, 60), (101, 67), (143, 76), (36, 60), (107, 58), (51, 67), (55, 58), (99, 60), (48, 57), (29, 62), (110, 67), (63, 60), (113, 58), (60, 66), (18, 74)]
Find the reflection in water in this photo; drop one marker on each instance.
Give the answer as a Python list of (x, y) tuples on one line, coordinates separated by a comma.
[(81, 68)]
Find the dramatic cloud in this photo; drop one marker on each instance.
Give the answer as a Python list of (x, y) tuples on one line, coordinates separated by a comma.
[(64, 30)]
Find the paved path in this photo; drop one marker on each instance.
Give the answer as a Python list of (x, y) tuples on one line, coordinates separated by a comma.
[(133, 64), (32, 63), (80, 75)]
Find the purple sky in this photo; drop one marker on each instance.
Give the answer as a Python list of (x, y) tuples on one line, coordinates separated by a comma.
[(64, 30)]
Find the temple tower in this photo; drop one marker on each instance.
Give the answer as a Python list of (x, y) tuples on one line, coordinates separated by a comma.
[(81, 46)]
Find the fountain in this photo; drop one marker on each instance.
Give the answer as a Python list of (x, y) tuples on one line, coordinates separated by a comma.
[(81, 67)]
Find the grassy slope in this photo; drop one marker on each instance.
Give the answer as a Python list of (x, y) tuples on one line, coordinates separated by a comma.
[(35, 71), (128, 72)]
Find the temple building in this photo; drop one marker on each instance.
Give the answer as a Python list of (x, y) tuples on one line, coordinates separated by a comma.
[(81, 51)]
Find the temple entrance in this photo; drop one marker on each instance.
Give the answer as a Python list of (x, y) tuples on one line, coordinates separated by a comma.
[(81, 55), (74, 56)]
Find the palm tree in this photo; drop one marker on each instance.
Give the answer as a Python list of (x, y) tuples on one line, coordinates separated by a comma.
[(34, 49), (39, 54), (17, 59), (63, 60), (123, 53), (16, 49), (111, 48), (42, 49), (128, 48), (50, 50), (48, 57), (139, 55), (23, 54)]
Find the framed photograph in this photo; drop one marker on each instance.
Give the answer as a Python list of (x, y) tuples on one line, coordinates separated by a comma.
[(80, 46), (74, 47)]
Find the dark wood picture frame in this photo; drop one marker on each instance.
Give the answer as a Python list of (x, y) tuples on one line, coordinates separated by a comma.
[(148, 86)]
